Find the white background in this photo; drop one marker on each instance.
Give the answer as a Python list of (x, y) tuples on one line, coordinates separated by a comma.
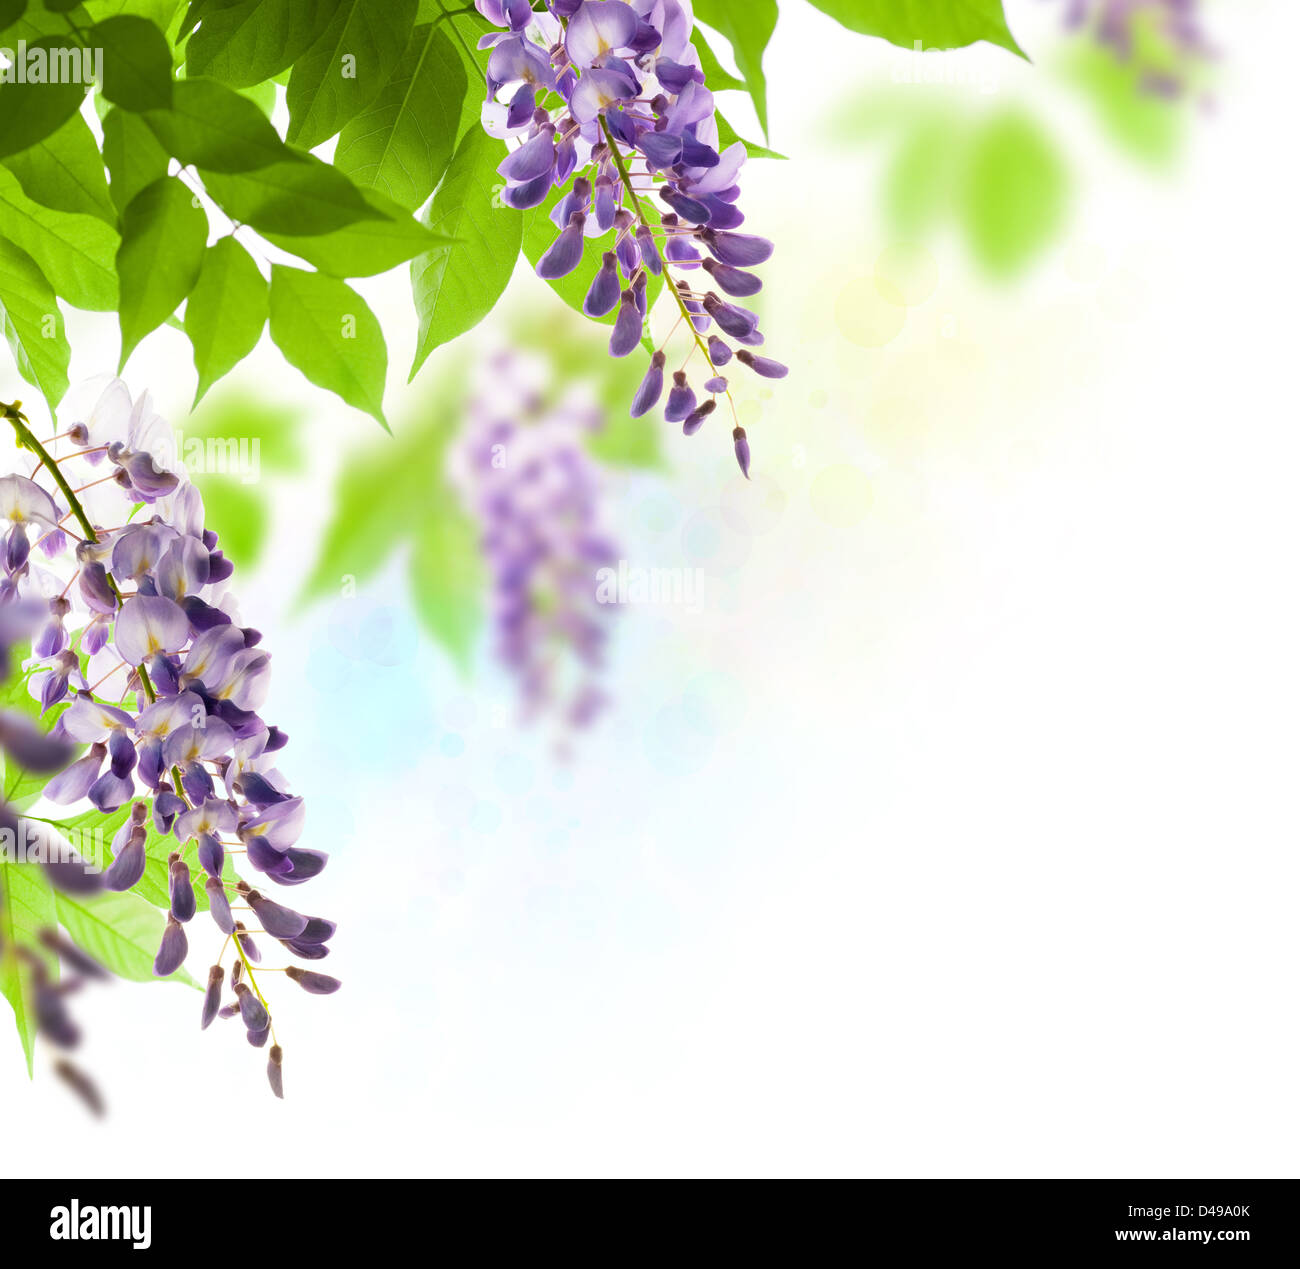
[(955, 840)]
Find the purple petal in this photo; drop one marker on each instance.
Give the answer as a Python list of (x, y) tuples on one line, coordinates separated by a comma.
[(172, 951)]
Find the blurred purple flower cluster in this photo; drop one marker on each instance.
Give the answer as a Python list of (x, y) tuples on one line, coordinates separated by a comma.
[(612, 95), (1177, 23), (524, 475), (139, 639)]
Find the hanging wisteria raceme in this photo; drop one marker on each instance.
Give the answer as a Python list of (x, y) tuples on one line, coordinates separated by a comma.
[(524, 474), (612, 96), (140, 643), (1177, 23)]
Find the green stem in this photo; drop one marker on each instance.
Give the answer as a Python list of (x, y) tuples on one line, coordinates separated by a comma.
[(668, 278), (27, 440)]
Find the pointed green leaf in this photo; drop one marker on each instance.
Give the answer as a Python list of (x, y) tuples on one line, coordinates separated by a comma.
[(456, 285), (365, 247), (163, 237), (343, 72), (30, 112), (327, 330), (717, 79), (74, 252), (217, 129), (244, 42), (137, 62), (401, 144), (225, 313), (727, 136), (748, 25), (937, 24), (464, 27), (299, 196), (33, 324), (65, 172), (133, 155)]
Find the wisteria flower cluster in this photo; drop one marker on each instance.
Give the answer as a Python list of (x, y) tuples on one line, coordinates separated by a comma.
[(612, 95), (140, 646), (525, 476)]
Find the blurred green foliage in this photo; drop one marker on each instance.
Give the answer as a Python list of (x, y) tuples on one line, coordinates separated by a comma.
[(998, 176), (1147, 125), (1011, 195), (236, 505)]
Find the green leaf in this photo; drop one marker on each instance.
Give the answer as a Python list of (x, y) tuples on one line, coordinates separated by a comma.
[(937, 24), (120, 931), (343, 72), (264, 96), (717, 79), (727, 136), (39, 19), (74, 252), (26, 908), (748, 25), (133, 155), (246, 41), (217, 129), (154, 886), (270, 426), (540, 232), (365, 247), (160, 12), (1014, 196), (1150, 127), (446, 577), (21, 788), (301, 196), (456, 285), (137, 63), (238, 514), (163, 238), (464, 26), (402, 143), (33, 324), (327, 331), (31, 111), (920, 183), (366, 530), (65, 172), (226, 312)]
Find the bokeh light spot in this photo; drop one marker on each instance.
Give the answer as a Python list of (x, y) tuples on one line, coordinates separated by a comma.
[(906, 271), (840, 495), (865, 317)]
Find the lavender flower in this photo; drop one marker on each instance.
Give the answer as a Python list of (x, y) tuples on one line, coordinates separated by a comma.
[(635, 123)]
